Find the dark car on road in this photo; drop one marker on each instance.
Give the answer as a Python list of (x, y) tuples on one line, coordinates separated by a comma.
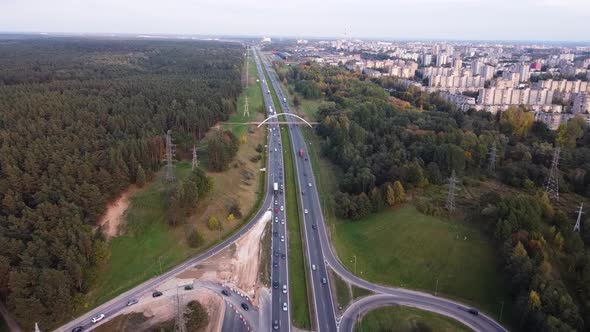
[(283, 256), (314, 226), (156, 294), (188, 287), (473, 312), (275, 264), (275, 285), (78, 329), (245, 306), (225, 292)]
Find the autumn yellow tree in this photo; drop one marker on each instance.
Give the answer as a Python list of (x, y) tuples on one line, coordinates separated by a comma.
[(517, 120)]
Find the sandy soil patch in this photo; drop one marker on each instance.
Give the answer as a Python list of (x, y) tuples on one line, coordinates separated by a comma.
[(115, 213)]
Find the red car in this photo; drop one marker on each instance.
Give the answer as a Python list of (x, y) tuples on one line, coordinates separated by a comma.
[(276, 210)]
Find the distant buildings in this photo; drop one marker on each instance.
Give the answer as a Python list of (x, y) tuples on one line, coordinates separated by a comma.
[(581, 103)]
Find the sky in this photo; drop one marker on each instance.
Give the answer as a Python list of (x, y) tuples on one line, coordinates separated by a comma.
[(548, 20)]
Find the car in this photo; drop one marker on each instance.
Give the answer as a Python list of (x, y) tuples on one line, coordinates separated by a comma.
[(275, 149), (313, 267), (305, 211), (314, 226), (282, 221), (284, 289), (97, 318), (302, 192), (225, 292), (472, 311), (305, 158), (78, 329), (188, 287), (275, 285), (282, 238), (283, 256), (324, 281), (275, 233), (156, 294), (131, 302), (276, 254), (304, 174), (284, 306), (245, 306), (275, 325), (276, 219), (309, 184), (276, 202), (275, 265), (276, 210), (282, 208)]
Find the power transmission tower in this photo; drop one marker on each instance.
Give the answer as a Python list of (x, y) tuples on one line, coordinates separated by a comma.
[(552, 185), (37, 327), (450, 205), (579, 221), (492, 159), (169, 155), (179, 323), (246, 110), (195, 161)]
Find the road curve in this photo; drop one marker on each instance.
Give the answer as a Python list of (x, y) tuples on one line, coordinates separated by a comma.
[(411, 297)]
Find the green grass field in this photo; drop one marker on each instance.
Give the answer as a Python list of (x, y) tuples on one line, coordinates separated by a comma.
[(149, 245), (402, 247), (403, 319), (298, 295)]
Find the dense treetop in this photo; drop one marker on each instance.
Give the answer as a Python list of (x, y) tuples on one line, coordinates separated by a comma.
[(79, 121)]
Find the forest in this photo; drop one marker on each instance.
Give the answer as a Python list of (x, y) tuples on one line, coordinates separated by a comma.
[(81, 120), (389, 143)]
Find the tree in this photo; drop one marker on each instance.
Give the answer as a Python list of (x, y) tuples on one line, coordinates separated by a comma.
[(517, 120), (390, 195), (398, 193), (213, 224), (534, 302), (194, 238), (195, 317), (140, 177), (568, 133)]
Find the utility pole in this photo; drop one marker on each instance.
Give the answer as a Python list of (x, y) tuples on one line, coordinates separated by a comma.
[(579, 221), (169, 155), (492, 159), (450, 205), (436, 288), (552, 185), (179, 323), (195, 162)]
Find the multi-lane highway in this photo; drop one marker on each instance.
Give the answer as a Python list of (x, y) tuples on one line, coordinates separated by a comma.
[(321, 253), (280, 311)]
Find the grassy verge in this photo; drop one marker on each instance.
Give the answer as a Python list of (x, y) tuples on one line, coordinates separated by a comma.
[(403, 319), (266, 255), (359, 292), (422, 252), (300, 310), (342, 291)]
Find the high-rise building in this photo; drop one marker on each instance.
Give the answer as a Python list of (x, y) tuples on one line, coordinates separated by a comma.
[(457, 63), (427, 59), (581, 103)]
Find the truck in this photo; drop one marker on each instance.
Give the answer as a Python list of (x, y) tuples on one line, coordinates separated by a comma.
[(301, 153), (275, 187)]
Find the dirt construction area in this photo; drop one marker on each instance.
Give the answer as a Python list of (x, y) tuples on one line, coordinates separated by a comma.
[(237, 266)]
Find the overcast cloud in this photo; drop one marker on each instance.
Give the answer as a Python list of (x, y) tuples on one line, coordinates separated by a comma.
[(395, 19)]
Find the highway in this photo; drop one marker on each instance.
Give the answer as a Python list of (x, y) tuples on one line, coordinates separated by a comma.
[(114, 306), (280, 258), (321, 253)]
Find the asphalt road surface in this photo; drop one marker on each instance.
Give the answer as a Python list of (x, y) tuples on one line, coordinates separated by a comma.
[(321, 253), (114, 306)]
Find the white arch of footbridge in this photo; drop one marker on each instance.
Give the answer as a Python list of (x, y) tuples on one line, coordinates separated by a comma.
[(290, 114)]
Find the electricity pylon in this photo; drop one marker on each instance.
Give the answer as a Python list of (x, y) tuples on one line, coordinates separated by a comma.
[(450, 205), (552, 185), (169, 155), (492, 159), (179, 323)]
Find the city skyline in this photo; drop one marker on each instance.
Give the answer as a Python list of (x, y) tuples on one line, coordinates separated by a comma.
[(503, 20)]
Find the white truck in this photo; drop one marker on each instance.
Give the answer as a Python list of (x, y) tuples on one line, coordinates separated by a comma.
[(275, 187)]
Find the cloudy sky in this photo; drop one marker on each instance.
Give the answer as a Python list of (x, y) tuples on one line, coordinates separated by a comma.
[(563, 20)]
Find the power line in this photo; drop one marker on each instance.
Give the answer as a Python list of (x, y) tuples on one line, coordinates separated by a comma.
[(579, 221), (450, 205), (169, 155), (552, 185), (179, 323)]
